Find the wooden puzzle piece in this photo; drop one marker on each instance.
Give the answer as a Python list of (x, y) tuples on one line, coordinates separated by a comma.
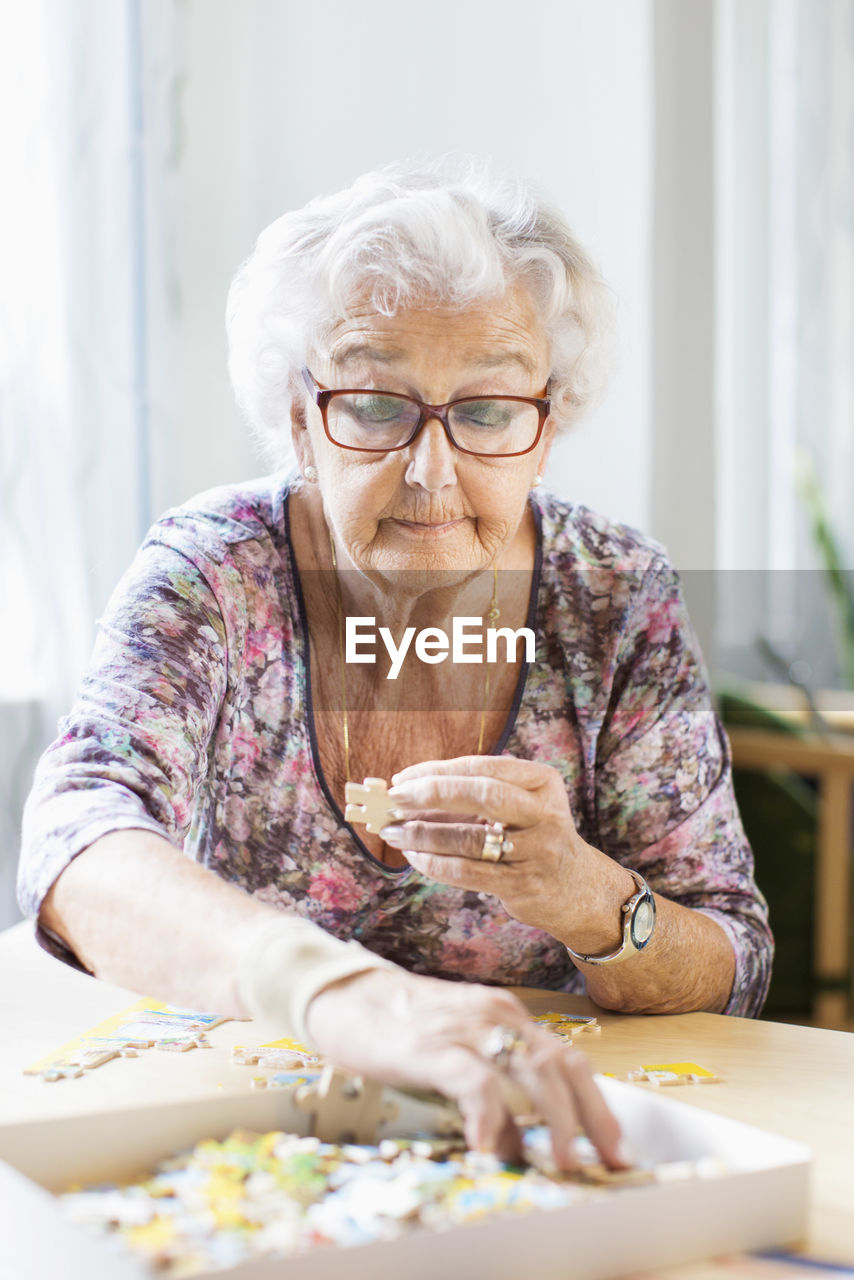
[(296, 1046), (91, 1058), (689, 1069), (61, 1071), (345, 1108), (568, 1025), (668, 1075), (244, 1056), (441, 1117), (289, 1079), (369, 804), (274, 1056), (661, 1079)]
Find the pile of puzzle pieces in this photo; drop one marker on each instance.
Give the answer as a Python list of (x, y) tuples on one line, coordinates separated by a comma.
[(253, 1195)]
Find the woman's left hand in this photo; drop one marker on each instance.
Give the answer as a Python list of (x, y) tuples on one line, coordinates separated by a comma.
[(544, 881)]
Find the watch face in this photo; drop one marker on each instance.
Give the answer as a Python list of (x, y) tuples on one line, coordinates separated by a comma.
[(643, 922)]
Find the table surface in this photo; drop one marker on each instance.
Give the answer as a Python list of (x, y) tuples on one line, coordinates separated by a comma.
[(795, 1081)]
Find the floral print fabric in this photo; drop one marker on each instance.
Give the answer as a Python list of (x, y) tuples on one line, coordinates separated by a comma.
[(194, 721)]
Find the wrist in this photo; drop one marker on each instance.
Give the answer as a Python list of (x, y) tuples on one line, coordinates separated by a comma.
[(597, 917), (288, 962), (637, 918), (334, 1003)]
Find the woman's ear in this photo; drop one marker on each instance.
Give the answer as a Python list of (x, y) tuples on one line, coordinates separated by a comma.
[(545, 446), (300, 437)]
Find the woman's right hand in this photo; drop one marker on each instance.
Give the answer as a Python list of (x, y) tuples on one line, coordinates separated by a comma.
[(405, 1029)]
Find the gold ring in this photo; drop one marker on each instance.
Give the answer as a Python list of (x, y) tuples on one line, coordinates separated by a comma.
[(502, 1043), (493, 843)]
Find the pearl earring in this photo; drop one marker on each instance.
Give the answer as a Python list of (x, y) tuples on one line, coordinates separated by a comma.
[(538, 479), (311, 474)]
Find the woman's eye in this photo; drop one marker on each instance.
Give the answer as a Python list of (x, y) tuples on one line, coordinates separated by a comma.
[(376, 408), (485, 413)]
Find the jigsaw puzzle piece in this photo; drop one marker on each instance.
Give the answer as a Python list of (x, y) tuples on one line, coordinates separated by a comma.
[(345, 1108), (369, 804)]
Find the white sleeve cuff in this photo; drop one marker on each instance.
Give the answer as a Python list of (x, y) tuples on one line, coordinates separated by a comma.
[(288, 962)]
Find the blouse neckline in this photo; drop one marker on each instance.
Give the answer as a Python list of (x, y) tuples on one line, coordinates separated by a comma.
[(304, 679)]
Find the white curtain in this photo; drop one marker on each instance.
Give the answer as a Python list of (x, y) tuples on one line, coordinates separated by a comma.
[(785, 320), (86, 187)]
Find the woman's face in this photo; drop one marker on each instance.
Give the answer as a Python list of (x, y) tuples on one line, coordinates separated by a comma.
[(428, 506)]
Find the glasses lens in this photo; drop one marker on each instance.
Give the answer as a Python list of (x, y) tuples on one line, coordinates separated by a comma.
[(371, 420), (494, 426)]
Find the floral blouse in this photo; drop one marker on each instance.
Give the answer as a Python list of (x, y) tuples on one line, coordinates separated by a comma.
[(195, 721)]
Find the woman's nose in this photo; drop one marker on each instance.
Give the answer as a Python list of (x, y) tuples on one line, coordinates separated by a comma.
[(432, 458)]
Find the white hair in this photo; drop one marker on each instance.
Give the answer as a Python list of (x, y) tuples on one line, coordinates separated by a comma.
[(450, 233)]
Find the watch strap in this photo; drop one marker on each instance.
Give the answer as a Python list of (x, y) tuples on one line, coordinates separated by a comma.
[(627, 947)]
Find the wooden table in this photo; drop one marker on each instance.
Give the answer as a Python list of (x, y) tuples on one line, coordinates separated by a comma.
[(830, 759), (796, 1081)]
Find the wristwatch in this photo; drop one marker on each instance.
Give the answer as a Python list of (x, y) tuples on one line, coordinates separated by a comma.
[(638, 925)]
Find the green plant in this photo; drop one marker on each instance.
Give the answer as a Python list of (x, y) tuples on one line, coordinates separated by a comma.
[(779, 812), (840, 582), (779, 809)]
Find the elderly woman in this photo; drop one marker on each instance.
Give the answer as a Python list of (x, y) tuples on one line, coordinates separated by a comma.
[(563, 815)]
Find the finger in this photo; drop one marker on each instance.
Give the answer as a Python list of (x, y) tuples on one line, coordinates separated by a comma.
[(598, 1121), (440, 815), (487, 1124), (476, 1088), (459, 873), (527, 774), (488, 797), (540, 1073), (450, 839), (560, 1082), (508, 1145)]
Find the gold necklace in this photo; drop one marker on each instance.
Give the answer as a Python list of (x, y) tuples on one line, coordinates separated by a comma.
[(492, 616)]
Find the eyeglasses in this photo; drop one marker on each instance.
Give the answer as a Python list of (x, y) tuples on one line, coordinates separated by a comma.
[(382, 421)]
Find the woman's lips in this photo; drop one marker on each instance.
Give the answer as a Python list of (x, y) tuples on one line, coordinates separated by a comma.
[(426, 530)]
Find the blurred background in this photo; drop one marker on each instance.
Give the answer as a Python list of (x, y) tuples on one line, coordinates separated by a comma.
[(704, 151)]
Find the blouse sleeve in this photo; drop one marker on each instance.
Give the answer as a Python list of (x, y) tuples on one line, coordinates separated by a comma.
[(132, 753), (665, 800)]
